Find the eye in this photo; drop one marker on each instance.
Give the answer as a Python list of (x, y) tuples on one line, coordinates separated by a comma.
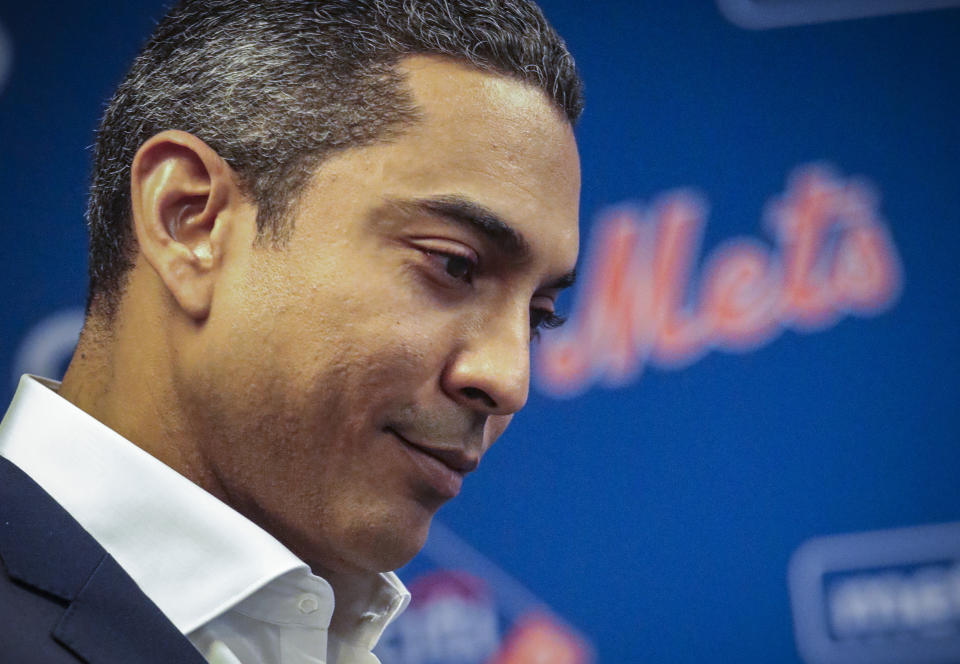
[(456, 266), (449, 262), (544, 319)]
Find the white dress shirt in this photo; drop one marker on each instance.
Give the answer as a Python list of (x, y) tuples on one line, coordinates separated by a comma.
[(239, 595)]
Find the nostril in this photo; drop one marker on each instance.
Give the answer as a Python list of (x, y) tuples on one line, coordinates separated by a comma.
[(476, 394)]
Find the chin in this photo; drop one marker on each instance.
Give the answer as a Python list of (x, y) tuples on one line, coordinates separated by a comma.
[(374, 545), (397, 546)]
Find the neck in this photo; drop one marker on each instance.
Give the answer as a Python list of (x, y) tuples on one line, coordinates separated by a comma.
[(120, 375), (122, 380)]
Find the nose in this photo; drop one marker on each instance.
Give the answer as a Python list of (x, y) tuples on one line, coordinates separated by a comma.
[(490, 371)]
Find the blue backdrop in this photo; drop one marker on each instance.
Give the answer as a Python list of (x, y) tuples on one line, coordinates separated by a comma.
[(763, 350)]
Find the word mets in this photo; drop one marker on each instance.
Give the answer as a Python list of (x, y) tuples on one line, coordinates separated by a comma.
[(643, 301)]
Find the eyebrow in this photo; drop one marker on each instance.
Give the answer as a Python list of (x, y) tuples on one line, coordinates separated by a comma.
[(483, 221)]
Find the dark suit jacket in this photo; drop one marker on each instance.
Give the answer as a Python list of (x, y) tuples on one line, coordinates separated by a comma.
[(63, 599)]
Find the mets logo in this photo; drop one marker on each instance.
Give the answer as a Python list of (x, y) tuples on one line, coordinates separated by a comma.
[(645, 303)]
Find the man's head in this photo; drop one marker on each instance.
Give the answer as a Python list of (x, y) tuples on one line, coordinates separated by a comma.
[(330, 347), (276, 86)]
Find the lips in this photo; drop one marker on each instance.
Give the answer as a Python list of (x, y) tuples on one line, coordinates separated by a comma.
[(443, 467)]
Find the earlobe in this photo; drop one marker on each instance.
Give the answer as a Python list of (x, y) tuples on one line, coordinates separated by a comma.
[(180, 191)]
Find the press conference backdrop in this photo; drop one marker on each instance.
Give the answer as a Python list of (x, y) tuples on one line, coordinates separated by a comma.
[(743, 447)]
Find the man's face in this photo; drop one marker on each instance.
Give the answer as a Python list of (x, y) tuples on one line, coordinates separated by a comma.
[(345, 383)]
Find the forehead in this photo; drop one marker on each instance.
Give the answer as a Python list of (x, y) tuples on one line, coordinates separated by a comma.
[(490, 139)]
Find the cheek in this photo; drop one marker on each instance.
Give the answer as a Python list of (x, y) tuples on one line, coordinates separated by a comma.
[(325, 334), (350, 364)]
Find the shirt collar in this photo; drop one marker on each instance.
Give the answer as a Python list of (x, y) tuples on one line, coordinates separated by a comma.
[(191, 554)]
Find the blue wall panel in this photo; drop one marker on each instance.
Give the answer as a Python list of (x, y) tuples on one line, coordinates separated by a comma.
[(652, 518)]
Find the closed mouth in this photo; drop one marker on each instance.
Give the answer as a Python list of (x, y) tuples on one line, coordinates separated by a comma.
[(454, 459)]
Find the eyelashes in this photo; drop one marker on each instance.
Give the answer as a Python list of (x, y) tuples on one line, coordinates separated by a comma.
[(543, 319), (548, 320)]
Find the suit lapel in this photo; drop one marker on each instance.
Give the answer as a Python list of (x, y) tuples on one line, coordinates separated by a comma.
[(108, 619), (41, 545), (111, 620)]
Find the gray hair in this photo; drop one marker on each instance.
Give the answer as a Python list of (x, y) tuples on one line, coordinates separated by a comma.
[(276, 86)]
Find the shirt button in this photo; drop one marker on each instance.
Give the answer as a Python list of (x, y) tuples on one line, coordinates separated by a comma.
[(308, 603)]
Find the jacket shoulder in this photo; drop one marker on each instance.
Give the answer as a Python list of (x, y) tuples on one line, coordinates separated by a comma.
[(63, 599)]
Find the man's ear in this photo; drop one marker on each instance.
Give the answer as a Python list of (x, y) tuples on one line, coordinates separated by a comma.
[(181, 194)]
